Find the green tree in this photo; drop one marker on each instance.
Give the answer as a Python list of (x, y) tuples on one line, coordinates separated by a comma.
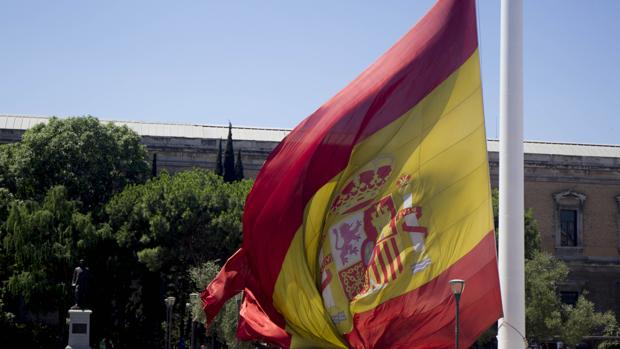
[(7, 179), (174, 222), (224, 326), (583, 320), (543, 308), (182, 219), (90, 159), (7, 324), (229, 158), (45, 241), (55, 183), (611, 331), (6, 201), (545, 315), (201, 275), (239, 167)]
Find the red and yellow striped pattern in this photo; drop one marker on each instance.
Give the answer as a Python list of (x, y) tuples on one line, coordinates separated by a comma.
[(362, 214)]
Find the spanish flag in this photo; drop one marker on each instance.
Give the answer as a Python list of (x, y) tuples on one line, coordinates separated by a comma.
[(365, 211)]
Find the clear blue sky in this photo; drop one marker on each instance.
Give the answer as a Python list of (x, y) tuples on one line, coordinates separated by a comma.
[(272, 63)]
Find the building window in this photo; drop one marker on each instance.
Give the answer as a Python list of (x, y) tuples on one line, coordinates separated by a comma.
[(568, 227), (569, 219)]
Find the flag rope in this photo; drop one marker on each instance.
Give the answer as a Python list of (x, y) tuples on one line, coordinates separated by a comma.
[(504, 322)]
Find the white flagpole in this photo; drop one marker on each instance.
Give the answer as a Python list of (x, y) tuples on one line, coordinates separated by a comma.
[(511, 257)]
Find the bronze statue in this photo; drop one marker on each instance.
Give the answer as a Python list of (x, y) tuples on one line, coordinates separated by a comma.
[(81, 282)]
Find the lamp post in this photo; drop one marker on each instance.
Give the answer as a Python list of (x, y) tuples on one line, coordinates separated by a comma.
[(193, 299), (457, 286), (187, 326), (169, 301), (239, 299)]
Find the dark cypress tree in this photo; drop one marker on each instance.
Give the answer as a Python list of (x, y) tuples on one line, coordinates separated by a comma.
[(154, 166), (229, 158), (219, 169), (238, 167)]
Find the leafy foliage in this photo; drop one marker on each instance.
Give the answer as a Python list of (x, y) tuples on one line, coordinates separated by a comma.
[(582, 320), (225, 324), (532, 235), (179, 220), (90, 159), (44, 241), (55, 183), (611, 330), (6, 319), (201, 276), (543, 308), (546, 317), (172, 223)]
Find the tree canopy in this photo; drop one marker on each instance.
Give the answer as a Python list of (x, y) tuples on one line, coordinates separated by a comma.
[(187, 218), (172, 223), (44, 240), (90, 159)]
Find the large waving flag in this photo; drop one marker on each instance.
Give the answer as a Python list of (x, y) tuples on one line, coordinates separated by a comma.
[(365, 211)]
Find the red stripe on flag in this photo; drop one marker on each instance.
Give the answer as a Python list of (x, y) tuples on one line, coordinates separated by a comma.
[(382, 263), (397, 252), (254, 324), (389, 253), (375, 271), (429, 309)]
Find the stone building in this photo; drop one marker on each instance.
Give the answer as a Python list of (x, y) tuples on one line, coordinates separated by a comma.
[(573, 189), (574, 192)]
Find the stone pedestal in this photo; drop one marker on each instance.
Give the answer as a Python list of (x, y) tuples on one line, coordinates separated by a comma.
[(79, 329)]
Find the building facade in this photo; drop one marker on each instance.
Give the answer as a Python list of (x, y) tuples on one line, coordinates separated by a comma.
[(573, 190)]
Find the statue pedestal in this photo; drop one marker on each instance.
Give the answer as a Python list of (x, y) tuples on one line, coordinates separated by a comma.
[(79, 329)]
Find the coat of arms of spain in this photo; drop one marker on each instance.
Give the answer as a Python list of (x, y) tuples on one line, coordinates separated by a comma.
[(372, 237)]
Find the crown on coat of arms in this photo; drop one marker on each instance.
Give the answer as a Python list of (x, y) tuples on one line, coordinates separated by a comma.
[(363, 187)]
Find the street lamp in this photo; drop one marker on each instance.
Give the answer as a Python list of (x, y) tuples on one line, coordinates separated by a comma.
[(186, 326), (457, 286), (239, 299), (169, 301), (193, 299)]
